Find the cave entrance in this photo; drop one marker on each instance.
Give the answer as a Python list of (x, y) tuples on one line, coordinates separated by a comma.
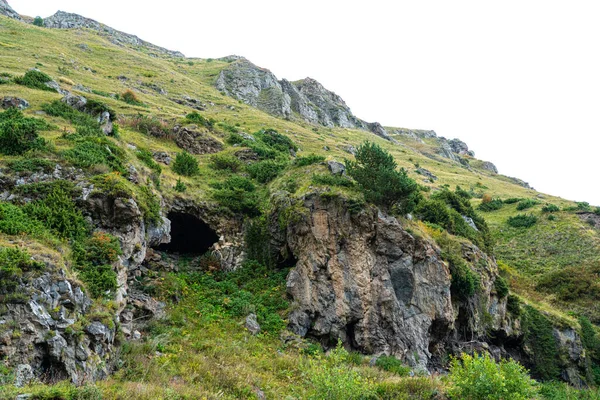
[(189, 235)]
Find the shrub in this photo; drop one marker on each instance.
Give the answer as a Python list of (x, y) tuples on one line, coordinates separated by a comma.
[(86, 123), (58, 212), (392, 364), (522, 221), (91, 151), (145, 156), (185, 164), (258, 243), (199, 119), (15, 221), (375, 172), (225, 162), (265, 171), (276, 140), (501, 287), (527, 203), (550, 208), (38, 21), (331, 180), (486, 198), (94, 258), (332, 377), (238, 194), (180, 186), (32, 165), (572, 283), (35, 79), (148, 125), (465, 282), (149, 204), (130, 97), (513, 305), (416, 388), (480, 377), (512, 200), (19, 134), (308, 160), (13, 263), (539, 337), (491, 205)]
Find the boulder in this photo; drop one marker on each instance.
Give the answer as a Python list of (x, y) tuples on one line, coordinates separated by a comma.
[(196, 141), (162, 157), (488, 166), (16, 102), (105, 123), (75, 101), (336, 168), (252, 324)]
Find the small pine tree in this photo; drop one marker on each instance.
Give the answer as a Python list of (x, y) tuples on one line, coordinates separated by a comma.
[(384, 185), (185, 164), (180, 186), (38, 21)]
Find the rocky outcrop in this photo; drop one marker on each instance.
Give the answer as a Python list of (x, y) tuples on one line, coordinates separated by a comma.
[(363, 278), (14, 102), (52, 333), (488, 166), (7, 11), (64, 20), (460, 147), (196, 140), (306, 99)]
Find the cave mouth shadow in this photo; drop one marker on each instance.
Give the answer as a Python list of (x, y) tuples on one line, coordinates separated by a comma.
[(189, 235)]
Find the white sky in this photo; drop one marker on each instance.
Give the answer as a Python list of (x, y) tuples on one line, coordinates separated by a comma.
[(518, 81)]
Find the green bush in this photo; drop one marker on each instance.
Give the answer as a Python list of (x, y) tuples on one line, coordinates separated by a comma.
[(308, 160), (130, 97), (392, 364), (35, 79), (513, 305), (501, 287), (332, 377), (493, 205), (539, 338), (149, 204), (38, 21), (512, 200), (331, 180), (276, 140), (58, 212), (180, 186), (185, 164), (19, 134), (562, 391), (32, 165), (145, 156), (258, 243), (93, 258), (14, 262), (522, 221), (480, 377), (225, 162), (15, 221), (92, 151), (527, 203), (265, 171), (465, 282), (550, 208), (238, 194), (375, 172), (196, 118)]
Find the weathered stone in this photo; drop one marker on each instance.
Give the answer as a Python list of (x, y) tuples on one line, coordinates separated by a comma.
[(7, 11), (488, 166), (75, 101), (106, 124), (16, 102), (427, 173), (336, 168), (196, 141), (24, 375), (252, 324), (162, 157)]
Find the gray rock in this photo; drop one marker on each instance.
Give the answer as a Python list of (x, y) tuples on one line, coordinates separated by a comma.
[(79, 87), (488, 166), (470, 222), (427, 173), (349, 149), (16, 102), (460, 147), (54, 85), (24, 375), (64, 20), (196, 141), (252, 324), (162, 157), (7, 11), (159, 234), (336, 168), (105, 123), (75, 101)]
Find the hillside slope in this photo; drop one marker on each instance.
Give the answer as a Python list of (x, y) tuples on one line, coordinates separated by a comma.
[(132, 262)]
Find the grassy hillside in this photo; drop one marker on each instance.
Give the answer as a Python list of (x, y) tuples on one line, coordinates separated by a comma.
[(202, 350)]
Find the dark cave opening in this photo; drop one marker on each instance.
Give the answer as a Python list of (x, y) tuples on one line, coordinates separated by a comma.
[(189, 235), (51, 370)]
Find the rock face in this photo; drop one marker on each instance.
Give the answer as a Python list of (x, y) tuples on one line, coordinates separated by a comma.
[(196, 140), (48, 343), (64, 20), (488, 166), (306, 98), (362, 278), (7, 11)]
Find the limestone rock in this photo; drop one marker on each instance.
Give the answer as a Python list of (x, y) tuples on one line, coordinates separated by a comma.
[(336, 168), (162, 157), (7, 11), (106, 124), (427, 173), (460, 147), (16, 102), (75, 101), (64, 20), (196, 141), (488, 166), (252, 324)]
